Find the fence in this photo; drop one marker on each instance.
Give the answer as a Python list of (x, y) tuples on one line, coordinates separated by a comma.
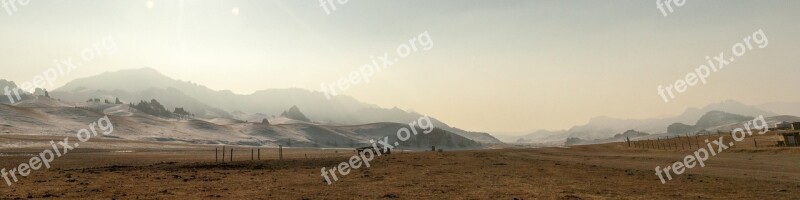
[(232, 154), (691, 142)]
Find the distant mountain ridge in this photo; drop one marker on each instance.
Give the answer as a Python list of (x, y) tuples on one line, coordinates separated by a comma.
[(600, 128), (43, 116), (147, 83), (709, 120)]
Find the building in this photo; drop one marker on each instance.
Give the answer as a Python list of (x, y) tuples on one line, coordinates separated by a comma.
[(784, 125), (791, 139), (796, 126)]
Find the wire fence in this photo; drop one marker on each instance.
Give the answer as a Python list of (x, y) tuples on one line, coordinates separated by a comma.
[(701, 140)]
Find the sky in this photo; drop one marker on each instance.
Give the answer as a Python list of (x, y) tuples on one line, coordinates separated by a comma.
[(500, 65)]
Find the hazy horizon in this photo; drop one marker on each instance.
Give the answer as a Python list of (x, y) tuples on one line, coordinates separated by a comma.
[(522, 67)]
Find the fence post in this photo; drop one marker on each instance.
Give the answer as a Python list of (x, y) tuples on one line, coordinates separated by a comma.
[(697, 140), (280, 152), (754, 142), (223, 154), (673, 142), (252, 155), (660, 144), (216, 154), (654, 143), (682, 146), (231, 154), (688, 139), (676, 141), (669, 144), (259, 153)]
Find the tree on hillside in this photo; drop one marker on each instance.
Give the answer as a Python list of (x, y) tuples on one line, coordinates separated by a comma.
[(153, 108), (116, 101), (183, 114), (573, 140)]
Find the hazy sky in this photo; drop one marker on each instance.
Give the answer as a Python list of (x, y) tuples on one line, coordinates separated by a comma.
[(497, 65)]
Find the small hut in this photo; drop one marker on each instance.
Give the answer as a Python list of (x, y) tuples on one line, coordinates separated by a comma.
[(791, 139), (796, 126)]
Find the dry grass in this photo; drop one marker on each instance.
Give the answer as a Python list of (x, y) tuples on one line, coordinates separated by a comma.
[(610, 171)]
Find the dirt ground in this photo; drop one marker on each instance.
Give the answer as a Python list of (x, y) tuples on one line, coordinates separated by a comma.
[(610, 171)]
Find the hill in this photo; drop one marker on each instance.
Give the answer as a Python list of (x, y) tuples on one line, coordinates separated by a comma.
[(601, 128), (710, 120), (294, 113), (146, 83), (130, 124)]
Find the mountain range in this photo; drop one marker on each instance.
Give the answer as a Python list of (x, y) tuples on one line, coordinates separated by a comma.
[(225, 106), (146, 83), (42, 116), (722, 116)]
